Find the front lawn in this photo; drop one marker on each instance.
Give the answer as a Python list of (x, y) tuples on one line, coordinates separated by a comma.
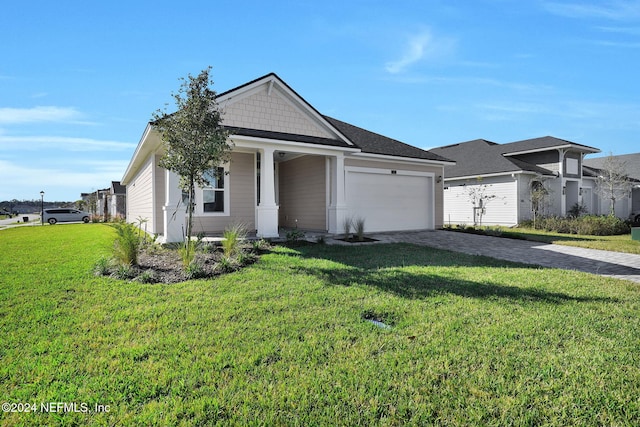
[(285, 341), (621, 243)]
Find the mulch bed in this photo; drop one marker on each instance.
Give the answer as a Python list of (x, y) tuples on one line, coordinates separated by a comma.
[(356, 240)]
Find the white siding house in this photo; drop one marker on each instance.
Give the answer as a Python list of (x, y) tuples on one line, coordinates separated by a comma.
[(507, 174)]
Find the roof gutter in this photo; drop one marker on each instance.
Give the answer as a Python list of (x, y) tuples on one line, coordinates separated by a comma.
[(140, 153), (385, 157), (557, 147), (491, 175)]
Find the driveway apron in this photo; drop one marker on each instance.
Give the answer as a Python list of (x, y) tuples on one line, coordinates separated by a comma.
[(605, 263)]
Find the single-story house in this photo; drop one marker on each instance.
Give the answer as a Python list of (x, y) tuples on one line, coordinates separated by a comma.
[(509, 174), (108, 202), (116, 199), (631, 163), (291, 167)]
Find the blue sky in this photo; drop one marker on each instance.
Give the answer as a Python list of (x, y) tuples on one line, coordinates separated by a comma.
[(79, 80)]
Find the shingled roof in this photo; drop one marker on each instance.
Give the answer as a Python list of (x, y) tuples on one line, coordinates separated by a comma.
[(631, 162), (258, 133), (366, 141), (373, 143), (481, 157), (541, 144)]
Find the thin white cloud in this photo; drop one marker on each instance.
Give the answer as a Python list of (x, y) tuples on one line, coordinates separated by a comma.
[(626, 45), (617, 10), (613, 116), (62, 143), (419, 47), (57, 183), (49, 114), (633, 31), (475, 81)]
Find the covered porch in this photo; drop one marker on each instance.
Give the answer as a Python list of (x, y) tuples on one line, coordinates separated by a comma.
[(267, 187)]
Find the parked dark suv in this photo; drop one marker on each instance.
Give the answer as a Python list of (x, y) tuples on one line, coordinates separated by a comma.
[(65, 215)]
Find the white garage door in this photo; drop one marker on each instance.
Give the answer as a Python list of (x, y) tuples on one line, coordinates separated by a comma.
[(390, 202)]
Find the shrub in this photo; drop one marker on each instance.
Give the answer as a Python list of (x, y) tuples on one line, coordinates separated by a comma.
[(102, 267), (226, 265), (493, 231), (577, 210), (187, 252), (127, 244), (245, 258), (294, 235), (124, 272), (346, 225), (260, 245), (602, 225), (147, 276), (593, 225), (358, 225), (233, 237), (195, 270)]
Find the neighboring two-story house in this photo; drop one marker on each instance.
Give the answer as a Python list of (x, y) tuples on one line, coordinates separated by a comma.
[(508, 174)]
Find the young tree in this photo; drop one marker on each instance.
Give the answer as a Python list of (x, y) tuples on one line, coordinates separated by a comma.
[(612, 182), (194, 139), (539, 199), (479, 196)]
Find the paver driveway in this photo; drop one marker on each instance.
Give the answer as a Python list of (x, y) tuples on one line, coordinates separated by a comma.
[(605, 263)]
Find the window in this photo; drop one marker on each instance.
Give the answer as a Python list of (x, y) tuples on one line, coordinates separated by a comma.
[(572, 166), (213, 195)]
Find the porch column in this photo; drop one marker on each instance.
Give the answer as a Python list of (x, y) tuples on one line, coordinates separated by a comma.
[(338, 206), (267, 211), (563, 183), (174, 211)]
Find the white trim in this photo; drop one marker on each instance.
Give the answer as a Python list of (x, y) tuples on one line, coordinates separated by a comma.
[(280, 145), (379, 171), (136, 155), (386, 157), (555, 147), (199, 211), (327, 189), (491, 175)]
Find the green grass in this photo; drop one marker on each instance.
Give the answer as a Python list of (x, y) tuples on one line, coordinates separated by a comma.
[(622, 243), (474, 341)]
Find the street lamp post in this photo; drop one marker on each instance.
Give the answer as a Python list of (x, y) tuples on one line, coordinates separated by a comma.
[(42, 208)]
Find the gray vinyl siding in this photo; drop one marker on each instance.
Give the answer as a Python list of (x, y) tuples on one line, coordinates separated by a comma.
[(242, 198), (548, 159), (302, 191), (575, 156)]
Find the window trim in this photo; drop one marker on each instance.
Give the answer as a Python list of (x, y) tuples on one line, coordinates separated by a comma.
[(226, 196)]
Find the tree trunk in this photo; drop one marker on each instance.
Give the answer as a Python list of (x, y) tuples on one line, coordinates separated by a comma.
[(191, 190)]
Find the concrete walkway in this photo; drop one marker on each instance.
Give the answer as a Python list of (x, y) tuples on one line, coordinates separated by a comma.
[(612, 264), (17, 221)]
